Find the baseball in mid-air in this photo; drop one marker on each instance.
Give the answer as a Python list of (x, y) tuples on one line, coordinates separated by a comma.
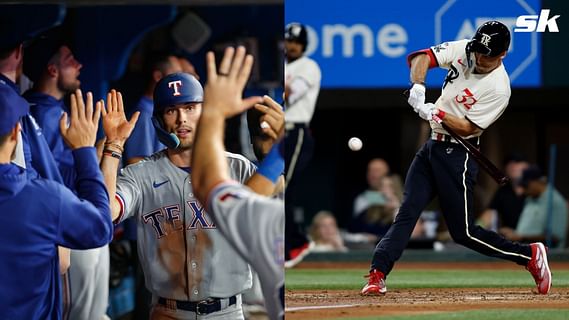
[(355, 144)]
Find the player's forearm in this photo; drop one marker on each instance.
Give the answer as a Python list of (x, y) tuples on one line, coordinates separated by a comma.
[(109, 167), (261, 185), (269, 172), (460, 125), (209, 165), (419, 67)]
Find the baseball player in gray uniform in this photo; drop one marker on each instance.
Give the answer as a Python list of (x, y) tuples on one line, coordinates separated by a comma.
[(189, 267), (234, 208)]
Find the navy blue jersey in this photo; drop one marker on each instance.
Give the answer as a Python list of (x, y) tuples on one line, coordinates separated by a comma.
[(32, 230), (47, 111), (39, 160)]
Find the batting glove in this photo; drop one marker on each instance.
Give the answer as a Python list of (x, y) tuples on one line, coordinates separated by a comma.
[(416, 96), (426, 111)]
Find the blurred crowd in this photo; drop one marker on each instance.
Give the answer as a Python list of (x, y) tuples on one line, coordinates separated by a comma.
[(527, 209)]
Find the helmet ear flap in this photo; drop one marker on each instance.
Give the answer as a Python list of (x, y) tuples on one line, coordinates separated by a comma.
[(170, 140), (468, 50)]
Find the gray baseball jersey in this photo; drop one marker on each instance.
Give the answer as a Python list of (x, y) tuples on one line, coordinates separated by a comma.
[(254, 225), (183, 254)]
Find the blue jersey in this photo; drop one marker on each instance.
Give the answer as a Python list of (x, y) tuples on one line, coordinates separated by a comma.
[(39, 160), (32, 230), (143, 141), (47, 111)]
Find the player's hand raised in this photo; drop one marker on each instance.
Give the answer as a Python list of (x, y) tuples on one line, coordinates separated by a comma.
[(223, 92), (117, 127), (82, 130)]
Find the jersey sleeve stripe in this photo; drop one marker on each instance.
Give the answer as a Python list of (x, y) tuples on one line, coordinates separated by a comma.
[(120, 200), (216, 189), (429, 52)]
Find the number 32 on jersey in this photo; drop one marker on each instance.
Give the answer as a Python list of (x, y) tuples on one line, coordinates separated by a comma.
[(467, 99)]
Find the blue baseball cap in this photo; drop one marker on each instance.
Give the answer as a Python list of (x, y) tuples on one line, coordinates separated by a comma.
[(12, 108)]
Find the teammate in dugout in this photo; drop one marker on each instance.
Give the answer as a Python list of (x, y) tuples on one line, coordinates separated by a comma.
[(31, 142), (51, 65), (475, 93), (191, 270), (234, 208), (32, 230)]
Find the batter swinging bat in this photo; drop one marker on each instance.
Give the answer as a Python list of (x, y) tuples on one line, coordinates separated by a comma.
[(484, 162)]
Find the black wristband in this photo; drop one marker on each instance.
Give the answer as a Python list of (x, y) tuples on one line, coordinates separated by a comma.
[(112, 153)]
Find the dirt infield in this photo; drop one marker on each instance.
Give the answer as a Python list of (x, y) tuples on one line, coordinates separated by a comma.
[(330, 304), (416, 301)]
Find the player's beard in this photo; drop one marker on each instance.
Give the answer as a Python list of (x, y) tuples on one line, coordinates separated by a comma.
[(68, 86), (185, 145)]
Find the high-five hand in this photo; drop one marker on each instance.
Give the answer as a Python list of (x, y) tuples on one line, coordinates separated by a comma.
[(117, 127), (82, 130), (224, 90)]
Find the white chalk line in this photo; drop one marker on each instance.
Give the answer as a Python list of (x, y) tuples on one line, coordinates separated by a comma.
[(322, 307)]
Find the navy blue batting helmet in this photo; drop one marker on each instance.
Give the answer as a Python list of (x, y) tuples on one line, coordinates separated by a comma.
[(173, 89), (491, 39), (295, 31)]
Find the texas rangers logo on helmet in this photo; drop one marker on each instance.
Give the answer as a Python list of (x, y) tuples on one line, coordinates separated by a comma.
[(485, 39), (176, 85)]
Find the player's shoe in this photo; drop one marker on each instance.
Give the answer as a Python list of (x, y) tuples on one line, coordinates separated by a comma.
[(297, 254), (539, 267), (375, 284)]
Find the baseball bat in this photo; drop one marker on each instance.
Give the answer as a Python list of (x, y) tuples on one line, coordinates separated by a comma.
[(484, 162)]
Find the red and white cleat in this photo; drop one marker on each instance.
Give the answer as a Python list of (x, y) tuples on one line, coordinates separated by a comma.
[(375, 284), (539, 267)]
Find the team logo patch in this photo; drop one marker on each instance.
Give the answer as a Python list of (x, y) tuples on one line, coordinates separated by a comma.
[(176, 86), (485, 39), (440, 47)]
